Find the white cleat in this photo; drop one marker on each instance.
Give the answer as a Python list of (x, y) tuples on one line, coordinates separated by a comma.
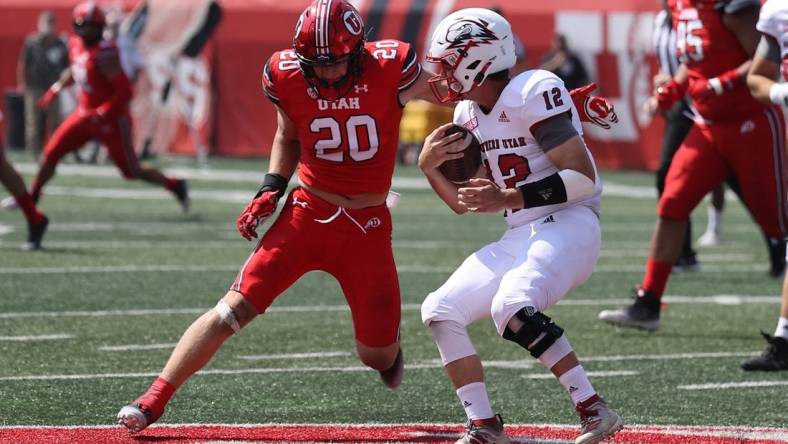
[(132, 418), (597, 422), (491, 432), (709, 239), (9, 203)]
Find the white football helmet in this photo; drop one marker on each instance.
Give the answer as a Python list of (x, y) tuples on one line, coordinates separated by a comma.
[(467, 46)]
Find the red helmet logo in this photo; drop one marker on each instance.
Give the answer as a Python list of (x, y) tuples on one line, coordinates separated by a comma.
[(353, 22)]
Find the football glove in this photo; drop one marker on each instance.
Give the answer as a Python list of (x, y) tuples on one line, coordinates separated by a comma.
[(704, 88), (668, 94), (262, 206), (593, 109)]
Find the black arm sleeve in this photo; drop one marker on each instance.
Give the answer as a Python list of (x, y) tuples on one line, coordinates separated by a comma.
[(553, 131), (769, 49)]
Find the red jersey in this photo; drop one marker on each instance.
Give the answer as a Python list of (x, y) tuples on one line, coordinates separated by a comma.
[(95, 88), (709, 48), (348, 145)]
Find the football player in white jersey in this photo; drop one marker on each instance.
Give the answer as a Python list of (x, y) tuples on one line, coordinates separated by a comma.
[(770, 60), (544, 178)]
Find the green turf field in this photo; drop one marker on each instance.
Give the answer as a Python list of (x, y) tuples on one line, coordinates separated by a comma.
[(133, 271)]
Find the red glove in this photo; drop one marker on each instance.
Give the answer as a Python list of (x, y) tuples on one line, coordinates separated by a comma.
[(668, 94), (258, 210), (47, 99), (593, 109), (704, 88)]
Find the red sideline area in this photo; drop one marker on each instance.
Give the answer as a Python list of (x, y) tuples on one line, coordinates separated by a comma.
[(410, 433)]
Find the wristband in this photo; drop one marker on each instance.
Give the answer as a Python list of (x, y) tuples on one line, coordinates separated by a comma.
[(273, 182), (778, 94), (547, 191)]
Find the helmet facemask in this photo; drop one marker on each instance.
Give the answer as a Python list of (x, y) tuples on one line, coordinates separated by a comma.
[(445, 84), (332, 89)]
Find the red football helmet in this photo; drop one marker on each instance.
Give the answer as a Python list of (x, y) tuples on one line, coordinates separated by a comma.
[(329, 32), (88, 13)]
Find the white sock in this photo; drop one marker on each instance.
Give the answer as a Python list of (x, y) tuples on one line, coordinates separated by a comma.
[(782, 328), (715, 220), (576, 382), (474, 400)]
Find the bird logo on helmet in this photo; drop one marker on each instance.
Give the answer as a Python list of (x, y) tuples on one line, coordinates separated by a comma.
[(330, 32), (467, 46)]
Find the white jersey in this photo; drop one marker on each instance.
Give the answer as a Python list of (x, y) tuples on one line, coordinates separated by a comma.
[(509, 150), (773, 21)]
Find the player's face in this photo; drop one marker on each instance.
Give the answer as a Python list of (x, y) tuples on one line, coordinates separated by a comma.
[(89, 33), (332, 72)]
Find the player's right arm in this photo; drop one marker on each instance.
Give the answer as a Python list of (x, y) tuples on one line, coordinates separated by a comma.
[(439, 148), (65, 80), (762, 79)]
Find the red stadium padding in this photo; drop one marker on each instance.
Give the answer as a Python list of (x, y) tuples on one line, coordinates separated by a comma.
[(613, 39)]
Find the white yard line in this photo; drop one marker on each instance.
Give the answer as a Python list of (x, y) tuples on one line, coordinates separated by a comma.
[(728, 385), (113, 348), (333, 354), (715, 299), (604, 374), (431, 364), (36, 338)]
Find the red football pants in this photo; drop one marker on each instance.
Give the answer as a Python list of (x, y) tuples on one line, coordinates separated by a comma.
[(113, 132), (354, 246), (752, 149)]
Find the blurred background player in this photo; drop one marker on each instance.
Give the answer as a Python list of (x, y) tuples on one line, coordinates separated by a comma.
[(546, 182), (42, 59), (738, 136), (339, 101), (768, 65), (103, 111), (563, 62), (12, 181)]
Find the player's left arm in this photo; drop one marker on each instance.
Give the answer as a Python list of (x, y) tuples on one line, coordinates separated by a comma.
[(109, 66), (765, 69), (565, 149)]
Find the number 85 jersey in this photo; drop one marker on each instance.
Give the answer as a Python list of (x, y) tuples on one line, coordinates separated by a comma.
[(348, 145), (510, 151)]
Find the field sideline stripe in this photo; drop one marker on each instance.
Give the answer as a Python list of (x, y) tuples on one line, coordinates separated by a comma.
[(36, 338), (112, 348), (727, 385), (716, 299)]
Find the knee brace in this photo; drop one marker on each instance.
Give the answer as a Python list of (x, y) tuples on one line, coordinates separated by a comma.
[(537, 334), (227, 315)]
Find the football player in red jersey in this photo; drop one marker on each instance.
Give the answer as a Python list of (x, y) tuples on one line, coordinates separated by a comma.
[(103, 111), (36, 221), (738, 136), (339, 100)]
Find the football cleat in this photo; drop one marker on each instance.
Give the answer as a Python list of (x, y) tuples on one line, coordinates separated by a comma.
[(9, 203), (597, 421), (135, 417), (484, 431), (774, 358), (181, 192), (710, 238), (392, 377), (35, 233), (686, 264), (643, 313)]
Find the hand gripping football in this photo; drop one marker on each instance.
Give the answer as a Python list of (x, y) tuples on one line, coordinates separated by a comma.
[(463, 169)]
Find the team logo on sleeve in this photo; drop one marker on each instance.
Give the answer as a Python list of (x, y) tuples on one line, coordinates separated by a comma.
[(471, 124)]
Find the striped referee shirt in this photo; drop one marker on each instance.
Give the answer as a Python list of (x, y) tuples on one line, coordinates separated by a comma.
[(664, 39)]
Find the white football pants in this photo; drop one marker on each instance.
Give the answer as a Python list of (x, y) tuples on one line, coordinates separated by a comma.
[(534, 265)]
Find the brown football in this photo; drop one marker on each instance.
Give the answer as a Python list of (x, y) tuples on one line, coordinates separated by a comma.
[(463, 169)]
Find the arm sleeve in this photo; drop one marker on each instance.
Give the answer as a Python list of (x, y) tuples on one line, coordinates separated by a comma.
[(411, 69), (553, 131), (769, 49), (269, 88), (546, 98)]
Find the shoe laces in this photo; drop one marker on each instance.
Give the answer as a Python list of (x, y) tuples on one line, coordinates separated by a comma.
[(470, 426), (590, 416)]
